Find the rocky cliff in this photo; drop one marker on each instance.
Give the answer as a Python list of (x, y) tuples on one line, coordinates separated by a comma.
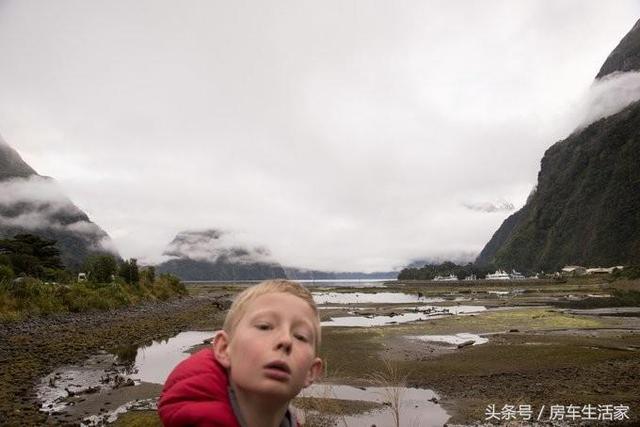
[(586, 208)]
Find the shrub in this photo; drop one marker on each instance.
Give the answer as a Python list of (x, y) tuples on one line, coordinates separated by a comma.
[(28, 296), (6, 273)]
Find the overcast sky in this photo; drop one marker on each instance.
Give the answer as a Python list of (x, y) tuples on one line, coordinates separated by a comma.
[(341, 135)]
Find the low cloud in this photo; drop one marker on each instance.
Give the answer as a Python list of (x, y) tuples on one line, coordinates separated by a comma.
[(36, 188), (609, 95), (348, 150), (490, 207), (42, 220), (212, 245), (38, 203)]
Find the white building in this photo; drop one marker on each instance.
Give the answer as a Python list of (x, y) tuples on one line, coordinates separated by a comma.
[(449, 278), (498, 275)]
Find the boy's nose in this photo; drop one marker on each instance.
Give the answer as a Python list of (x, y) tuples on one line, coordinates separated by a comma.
[(284, 343)]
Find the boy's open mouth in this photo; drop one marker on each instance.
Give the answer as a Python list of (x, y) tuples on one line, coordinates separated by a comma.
[(278, 370)]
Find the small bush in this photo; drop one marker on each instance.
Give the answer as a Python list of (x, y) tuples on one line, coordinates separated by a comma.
[(630, 272), (6, 273), (28, 296)]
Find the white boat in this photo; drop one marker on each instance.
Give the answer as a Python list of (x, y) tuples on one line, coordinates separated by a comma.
[(449, 278), (498, 275), (516, 276)]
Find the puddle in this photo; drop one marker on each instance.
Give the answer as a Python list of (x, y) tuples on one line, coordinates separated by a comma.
[(155, 362), (454, 340), (417, 407), (55, 389), (454, 309), (103, 372), (111, 417), (420, 313), (369, 298)]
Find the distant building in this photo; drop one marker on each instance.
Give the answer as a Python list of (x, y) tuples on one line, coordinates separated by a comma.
[(498, 275), (472, 277), (516, 276), (603, 270), (449, 278), (573, 270)]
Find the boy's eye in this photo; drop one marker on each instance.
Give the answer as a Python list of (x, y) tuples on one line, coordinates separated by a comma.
[(263, 326), (301, 337)]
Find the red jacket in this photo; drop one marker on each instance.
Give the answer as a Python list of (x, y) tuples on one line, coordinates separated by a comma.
[(196, 394)]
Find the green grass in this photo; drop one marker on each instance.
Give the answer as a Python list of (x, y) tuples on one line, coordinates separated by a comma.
[(138, 419), (32, 297)]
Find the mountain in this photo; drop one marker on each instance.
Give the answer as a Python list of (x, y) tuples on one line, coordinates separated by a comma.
[(32, 203), (213, 255), (11, 164), (586, 207), (294, 273)]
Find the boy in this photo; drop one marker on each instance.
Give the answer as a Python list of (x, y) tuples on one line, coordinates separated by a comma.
[(265, 354)]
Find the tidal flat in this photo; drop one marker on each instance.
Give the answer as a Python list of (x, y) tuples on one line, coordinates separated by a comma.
[(532, 352)]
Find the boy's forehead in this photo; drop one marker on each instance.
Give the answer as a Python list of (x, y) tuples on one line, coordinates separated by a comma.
[(280, 304), (271, 299)]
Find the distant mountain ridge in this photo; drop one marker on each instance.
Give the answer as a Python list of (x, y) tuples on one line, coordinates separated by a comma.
[(586, 208), (32, 203), (214, 255)]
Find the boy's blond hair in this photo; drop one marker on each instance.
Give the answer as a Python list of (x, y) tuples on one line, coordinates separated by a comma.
[(238, 308)]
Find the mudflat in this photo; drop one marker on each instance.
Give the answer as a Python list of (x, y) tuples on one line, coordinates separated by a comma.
[(534, 350)]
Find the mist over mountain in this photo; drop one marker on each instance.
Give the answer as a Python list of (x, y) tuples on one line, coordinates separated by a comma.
[(586, 207), (31, 203), (294, 273), (215, 254)]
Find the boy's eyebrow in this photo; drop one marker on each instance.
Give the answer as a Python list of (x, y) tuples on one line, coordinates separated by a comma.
[(276, 313)]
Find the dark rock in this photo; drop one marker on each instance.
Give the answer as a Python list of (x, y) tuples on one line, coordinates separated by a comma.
[(466, 343)]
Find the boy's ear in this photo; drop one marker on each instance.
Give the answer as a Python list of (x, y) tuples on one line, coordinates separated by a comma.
[(314, 372), (221, 348)]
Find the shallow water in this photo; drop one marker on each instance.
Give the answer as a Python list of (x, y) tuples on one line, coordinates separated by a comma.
[(370, 298), (54, 388), (454, 309), (415, 409), (154, 363), (420, 313), (452, 339)]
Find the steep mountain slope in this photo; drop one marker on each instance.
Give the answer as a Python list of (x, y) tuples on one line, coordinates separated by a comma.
[(586, 209), (31, 203)]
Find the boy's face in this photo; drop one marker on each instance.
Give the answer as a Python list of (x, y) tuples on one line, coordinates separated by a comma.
[(272, 349)]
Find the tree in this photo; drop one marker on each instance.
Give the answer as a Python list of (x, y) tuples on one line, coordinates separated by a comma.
[(31, 255), (101, 268), (129, 271), (148, 274)]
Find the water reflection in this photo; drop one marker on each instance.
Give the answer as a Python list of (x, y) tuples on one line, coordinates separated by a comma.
[(419, 313), (156, 361), (370, 298), (417, 406)]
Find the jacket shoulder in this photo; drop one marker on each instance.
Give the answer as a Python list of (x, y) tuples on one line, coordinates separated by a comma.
[(195, 393)]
